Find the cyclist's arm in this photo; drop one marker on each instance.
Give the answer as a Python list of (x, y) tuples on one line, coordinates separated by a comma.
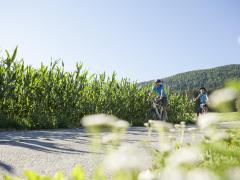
[(151, 93), (195, 99), (207, 99), (151, 96), (161, 95)]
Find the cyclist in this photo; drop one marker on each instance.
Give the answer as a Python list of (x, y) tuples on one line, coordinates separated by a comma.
[(203, 99), (158, 89)]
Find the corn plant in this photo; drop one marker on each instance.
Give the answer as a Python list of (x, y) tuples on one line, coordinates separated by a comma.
[(50, 97)]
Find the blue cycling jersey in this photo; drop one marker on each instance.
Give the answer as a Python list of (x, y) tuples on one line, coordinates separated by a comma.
[(203, 98), (159, 90)]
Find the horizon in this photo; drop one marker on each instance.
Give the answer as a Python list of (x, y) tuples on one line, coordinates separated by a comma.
[(178, 36)]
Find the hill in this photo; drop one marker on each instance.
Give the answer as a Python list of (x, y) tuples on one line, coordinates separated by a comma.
[(213, 78)]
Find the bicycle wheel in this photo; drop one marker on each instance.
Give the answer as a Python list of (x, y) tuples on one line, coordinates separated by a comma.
[(151, 114)]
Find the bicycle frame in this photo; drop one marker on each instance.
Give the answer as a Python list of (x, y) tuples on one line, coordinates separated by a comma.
[(158, 108)]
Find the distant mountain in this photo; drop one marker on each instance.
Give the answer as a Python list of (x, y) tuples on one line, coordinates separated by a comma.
[(213, 78)]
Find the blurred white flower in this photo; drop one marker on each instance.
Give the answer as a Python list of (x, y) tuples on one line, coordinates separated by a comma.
[(172, 130), (110, 138), (146, 175), (146, 125), (207, 120), (98, 120), (183, 124), (192, 129), (234, 173), (171, 174), (172, 138), (121, 124), (201, 174), (150, 121), (222, 95), (215, 135), (161, 126), (178, 126), (128, 158), (165, 147), (188, 155)]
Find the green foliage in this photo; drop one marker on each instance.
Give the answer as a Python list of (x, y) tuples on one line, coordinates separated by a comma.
[(180, 108), (78, 173), (235, 85), (50, 97), (238, 103), (221, 155), (210, 78)]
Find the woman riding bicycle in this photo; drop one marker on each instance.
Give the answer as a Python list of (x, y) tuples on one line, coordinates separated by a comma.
[(203, 99)]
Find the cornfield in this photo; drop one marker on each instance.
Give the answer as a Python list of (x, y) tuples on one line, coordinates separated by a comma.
[(50, 97)]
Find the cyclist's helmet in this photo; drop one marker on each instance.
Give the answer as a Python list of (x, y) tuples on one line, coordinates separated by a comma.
[(158, 81), (203, 88)]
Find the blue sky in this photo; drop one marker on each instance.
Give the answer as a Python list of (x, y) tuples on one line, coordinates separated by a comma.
[(139, 39)]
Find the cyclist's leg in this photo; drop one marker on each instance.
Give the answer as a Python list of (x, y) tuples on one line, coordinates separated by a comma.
[(205, 108), (164, 108), (199, 110), (202, 108), (157, 111)]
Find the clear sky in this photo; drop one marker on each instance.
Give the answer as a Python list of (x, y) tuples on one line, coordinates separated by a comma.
[(139, 39)]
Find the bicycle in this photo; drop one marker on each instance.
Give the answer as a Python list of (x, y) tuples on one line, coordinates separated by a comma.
[(157, 110)]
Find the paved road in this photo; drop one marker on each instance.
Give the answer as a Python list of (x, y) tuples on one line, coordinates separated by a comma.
[(50, 151), (55, 150)]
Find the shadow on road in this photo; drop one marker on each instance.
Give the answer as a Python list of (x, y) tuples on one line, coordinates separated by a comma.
[(47, 141), (67, 141), (6, 167)]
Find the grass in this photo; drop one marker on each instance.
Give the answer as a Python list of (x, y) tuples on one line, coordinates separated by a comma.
[(230, 116)]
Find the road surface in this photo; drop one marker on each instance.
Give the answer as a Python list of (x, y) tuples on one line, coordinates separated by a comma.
[(50, 151)]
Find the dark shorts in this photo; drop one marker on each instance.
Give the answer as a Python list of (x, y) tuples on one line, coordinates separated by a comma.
[(164, 101), (200, 108)]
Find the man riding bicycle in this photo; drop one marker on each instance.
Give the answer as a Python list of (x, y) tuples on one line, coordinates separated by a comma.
[(161, 99), (203, 99)]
